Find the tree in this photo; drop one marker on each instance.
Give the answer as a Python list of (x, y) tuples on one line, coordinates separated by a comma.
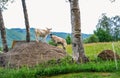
[(108, 28), (93, 38), (68, 39), (26, 21), (103, 29), (116, 28), (77, 45), (2, 27)]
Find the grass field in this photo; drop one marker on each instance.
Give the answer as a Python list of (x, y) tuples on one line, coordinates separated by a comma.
[(93, 49), (89, 75), (93, 69)]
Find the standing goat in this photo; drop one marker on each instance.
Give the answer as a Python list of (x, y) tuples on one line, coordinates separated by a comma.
[(42, 34), (59, 40)]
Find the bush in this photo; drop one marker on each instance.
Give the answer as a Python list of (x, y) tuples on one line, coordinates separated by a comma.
[(68, 39), (52, 43), (93, 38)]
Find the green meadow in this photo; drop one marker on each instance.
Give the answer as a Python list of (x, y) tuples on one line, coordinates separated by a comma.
[(93, 49), (67, 69), (89, 75)]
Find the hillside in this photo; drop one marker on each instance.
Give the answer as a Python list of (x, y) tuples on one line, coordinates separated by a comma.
[(20, 34)]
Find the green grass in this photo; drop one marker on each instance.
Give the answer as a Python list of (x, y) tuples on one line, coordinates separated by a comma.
[(0, 49), (102, 66), (89, 75), (23, 72), (93, 49), (47, 70), (92, 69)]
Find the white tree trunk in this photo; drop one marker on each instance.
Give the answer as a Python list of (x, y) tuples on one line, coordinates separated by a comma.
[(77, 45)]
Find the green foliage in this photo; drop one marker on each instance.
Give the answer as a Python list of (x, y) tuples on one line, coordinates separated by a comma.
[(52, 43), (103, 35), (93, 38), (0, 49), (103, 30), (103, 66), (63, 61), (116, 27), (68, 39), (108, 29), (24, 72)]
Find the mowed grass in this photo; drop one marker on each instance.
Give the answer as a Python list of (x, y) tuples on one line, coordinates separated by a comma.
[(89, 75), (93, 49)]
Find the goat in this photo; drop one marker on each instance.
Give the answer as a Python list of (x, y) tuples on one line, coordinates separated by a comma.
[(58, 40), (42, 34)]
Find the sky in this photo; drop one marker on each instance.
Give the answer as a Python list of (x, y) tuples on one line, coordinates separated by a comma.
[(55, 14)]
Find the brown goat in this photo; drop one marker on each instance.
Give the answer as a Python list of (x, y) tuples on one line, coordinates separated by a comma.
[(59, 40)]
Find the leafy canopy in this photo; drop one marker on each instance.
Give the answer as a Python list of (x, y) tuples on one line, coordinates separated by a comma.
[(4, 4), (108, 28)]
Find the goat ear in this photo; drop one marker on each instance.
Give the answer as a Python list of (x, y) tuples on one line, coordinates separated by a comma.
[(48, 28)]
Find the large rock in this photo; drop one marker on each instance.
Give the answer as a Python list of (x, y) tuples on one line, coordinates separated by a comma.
[(30, 54), (108, 55)]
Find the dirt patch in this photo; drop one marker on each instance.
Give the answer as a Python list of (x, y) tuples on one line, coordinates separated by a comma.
[(108, 55), (30, 54)]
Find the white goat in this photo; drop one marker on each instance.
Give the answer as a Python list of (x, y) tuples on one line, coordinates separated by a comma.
[(59, 40), (42, 34)]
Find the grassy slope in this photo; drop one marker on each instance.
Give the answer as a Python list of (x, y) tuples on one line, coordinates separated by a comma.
[(93, 49)]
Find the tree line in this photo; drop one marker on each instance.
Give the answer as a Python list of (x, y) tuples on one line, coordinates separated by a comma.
[(107, 29)]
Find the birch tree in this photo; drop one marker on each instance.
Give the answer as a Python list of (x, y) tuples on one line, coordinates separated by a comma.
[(77, 45)]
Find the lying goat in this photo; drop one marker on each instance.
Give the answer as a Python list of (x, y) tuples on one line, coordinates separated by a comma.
[(42, 34), (58, 40)]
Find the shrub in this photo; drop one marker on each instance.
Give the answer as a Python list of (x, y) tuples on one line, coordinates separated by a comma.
[(93, 38), (68, 39), (52, 43)]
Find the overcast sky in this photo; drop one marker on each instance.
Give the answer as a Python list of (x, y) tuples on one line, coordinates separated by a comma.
[(55, 14)]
